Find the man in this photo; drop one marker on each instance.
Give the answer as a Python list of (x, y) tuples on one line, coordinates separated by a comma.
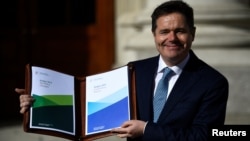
[(196, 95)]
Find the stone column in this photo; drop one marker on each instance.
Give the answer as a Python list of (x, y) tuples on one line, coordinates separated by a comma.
[(222, 40), (220, 24), (223, 30)]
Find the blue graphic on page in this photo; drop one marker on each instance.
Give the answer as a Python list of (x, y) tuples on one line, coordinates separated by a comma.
[(108, 113)]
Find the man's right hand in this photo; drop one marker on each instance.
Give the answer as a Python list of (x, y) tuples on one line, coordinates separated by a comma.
[(25, 100)]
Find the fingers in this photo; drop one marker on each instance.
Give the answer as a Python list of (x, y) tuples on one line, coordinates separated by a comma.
[(126, 124), (20, 91), (120, 132), (24, 109), (125, 135), (25, 103), (131, 128), (25, 100), (124, 131)]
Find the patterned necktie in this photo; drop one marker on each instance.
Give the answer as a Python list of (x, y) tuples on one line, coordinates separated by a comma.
[(161, 94)]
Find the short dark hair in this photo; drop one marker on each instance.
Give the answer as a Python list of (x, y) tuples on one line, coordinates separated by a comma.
[(171, 7)]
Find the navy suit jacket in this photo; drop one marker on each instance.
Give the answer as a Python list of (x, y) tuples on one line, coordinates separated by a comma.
[(196, 103)]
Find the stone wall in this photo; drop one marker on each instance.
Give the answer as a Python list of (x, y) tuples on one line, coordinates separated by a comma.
[(222, 40)]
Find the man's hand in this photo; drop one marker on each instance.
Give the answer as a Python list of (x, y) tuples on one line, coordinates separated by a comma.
[(25, 100), (131, 128)]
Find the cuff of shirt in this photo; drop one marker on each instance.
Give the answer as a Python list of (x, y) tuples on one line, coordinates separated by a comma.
[(145, 127)]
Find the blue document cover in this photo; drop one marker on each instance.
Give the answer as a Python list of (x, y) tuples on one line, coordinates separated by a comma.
[(107, 101)]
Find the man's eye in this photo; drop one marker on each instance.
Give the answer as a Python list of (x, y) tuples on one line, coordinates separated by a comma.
[(180, 31), (164, 32)]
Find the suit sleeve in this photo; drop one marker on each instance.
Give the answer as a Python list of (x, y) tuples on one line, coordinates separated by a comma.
[(210, 113)]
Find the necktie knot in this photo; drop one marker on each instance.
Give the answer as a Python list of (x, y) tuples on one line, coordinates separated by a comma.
[(166, 73)]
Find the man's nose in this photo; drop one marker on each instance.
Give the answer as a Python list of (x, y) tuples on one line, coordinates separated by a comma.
[(172, 36)]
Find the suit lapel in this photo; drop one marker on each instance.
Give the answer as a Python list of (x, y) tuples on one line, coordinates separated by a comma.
[(145, 73), (187, 78)]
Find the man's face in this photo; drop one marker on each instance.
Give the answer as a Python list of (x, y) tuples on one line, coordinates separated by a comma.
[(173, 38)]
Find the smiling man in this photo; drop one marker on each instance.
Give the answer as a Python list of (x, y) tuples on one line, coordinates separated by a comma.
[(196, 95)]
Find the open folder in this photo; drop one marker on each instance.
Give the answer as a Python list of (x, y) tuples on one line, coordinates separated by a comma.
[(79, 108)]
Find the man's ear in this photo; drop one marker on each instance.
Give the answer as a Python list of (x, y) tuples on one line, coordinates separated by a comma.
[(193, 31), (153, 33)]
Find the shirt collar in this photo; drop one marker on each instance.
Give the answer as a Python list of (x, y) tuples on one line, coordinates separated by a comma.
[(177, 68)]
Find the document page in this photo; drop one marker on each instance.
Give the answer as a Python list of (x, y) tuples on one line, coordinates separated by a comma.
[(53, 108), (107, 100)]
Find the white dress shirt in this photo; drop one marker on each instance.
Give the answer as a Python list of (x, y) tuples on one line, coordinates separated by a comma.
[(176, 69)]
